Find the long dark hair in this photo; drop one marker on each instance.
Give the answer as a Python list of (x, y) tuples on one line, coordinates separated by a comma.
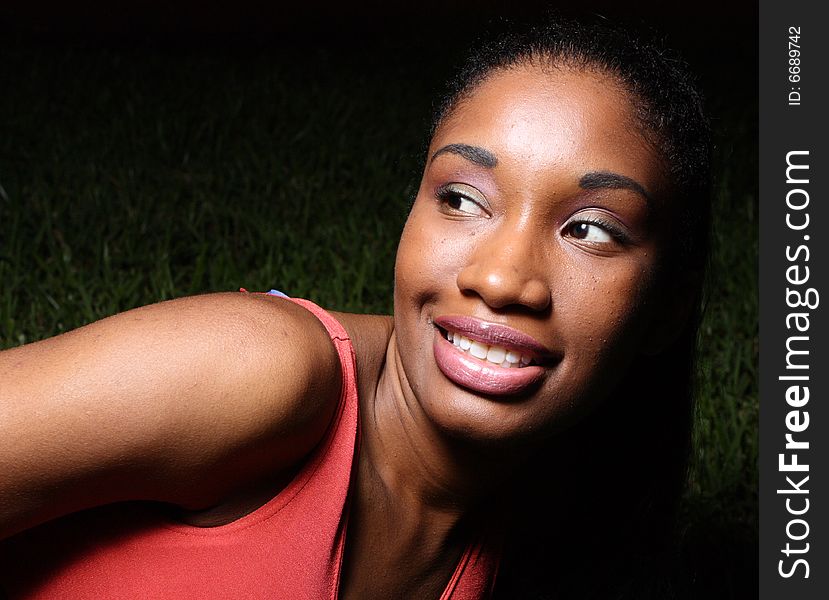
[(595, 511)]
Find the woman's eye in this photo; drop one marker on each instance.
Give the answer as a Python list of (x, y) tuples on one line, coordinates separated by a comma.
[(461, 199), (590, 232), (597, 230), (462, 204)]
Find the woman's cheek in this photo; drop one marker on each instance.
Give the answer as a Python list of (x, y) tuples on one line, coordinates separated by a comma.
[(603, 317), (427, 259)]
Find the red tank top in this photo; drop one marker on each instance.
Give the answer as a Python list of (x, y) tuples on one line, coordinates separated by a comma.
[(291, 547)]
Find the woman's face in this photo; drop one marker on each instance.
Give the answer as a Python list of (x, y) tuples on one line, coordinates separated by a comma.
[(535, 235)]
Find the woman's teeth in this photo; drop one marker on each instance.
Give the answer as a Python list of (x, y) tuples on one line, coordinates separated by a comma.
[(494, 354)]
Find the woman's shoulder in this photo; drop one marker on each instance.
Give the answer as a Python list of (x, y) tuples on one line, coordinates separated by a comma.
[(308, 329), (266, 346), (305, 331), (185, 401)]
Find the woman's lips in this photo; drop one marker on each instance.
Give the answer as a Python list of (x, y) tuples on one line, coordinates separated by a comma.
[(493, 334), (480, 375)]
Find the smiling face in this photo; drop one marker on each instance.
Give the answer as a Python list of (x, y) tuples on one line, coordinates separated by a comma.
[(525, 274)]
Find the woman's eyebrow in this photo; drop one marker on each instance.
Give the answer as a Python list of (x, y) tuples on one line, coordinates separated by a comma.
[(476, 154), (607, 180)]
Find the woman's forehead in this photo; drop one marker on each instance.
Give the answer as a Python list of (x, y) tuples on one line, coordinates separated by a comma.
[(544, 119)]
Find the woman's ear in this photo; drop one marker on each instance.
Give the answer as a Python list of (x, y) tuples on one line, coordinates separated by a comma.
[(671, 312)]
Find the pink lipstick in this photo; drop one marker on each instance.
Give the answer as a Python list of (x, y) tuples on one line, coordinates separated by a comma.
[(473, 367)]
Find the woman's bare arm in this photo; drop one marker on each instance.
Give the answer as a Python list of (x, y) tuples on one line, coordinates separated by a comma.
[(181, 401)]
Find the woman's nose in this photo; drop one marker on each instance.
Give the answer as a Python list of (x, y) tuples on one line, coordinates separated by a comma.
[(507, 269)]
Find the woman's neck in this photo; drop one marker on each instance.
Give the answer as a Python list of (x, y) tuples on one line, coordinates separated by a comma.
[(415, 462)]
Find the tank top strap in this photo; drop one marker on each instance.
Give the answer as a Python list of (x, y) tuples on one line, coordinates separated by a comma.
[(335, 330)]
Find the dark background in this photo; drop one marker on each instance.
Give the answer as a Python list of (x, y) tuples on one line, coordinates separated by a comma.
[(719, 37)]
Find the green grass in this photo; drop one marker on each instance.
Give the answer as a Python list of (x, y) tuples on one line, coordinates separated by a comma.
[(131, 177), (149, 178), (726, 445), (720, 509)]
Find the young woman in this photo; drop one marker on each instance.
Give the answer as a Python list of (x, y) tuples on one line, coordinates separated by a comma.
[(526, 410)]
